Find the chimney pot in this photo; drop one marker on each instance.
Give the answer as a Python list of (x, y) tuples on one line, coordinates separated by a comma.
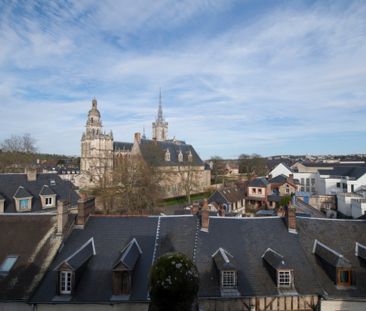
[(138, 137), (291, 218), (86, 206)]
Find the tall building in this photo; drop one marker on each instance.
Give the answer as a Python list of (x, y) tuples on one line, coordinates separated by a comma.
[(178, 160)]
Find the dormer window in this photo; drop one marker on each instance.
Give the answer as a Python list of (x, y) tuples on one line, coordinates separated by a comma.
[(180, 156), (228, 273), (335, 264), (23, 200), (48, 197), (278, 269), (190, 157), (167, 155), (71, 269), (124, 267)]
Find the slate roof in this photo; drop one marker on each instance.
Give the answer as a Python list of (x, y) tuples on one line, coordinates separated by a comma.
[(355, 171), (341, 236), (223, 260), (361, 251), (109, 235), (118, 145), (10, 183), (227, 195), (258, 182), (30, 238), (154, 153), (332, 257), (280, 179)]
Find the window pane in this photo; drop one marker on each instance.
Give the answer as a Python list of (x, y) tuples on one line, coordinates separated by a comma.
[(344, 276), (23, 203), (8, 263)]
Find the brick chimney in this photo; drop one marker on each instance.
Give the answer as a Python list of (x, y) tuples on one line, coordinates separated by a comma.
[(205, 216), (31, 173), (138, 137), (86, 206), (194, 208), (62, 216), (290, 216), (290, 178)]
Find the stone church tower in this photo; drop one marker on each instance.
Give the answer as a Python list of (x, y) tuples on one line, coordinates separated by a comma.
[(96, 148), (160, 127)]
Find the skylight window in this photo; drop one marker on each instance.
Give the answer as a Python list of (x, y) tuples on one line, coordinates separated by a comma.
[(8, 263)]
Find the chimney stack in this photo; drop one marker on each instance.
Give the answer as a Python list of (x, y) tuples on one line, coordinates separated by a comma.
[(290, 216), (290, 178), (86, 206), (194, 208), (31, 173), (138, 137), (62, 216), (205, 216)]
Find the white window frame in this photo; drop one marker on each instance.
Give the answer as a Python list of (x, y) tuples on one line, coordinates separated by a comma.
[(48, 201), (228, 279), (65, 282), (284, 278), (22, 206)]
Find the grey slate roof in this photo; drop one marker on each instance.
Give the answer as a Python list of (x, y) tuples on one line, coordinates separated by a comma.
[(355, 171), (21, 193), (30, 238), (154, 153), (280, 179), (258, 182), (9, 184), (109, 234), (227, 196), (118, 145), (223, 259), (341, 236)]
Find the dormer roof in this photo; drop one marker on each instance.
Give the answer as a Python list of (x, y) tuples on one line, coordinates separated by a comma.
[(22, 193), (46, 190), (331, 256), (360, 251), (223, 260), (80, 256), (129, 255), (275, 260)]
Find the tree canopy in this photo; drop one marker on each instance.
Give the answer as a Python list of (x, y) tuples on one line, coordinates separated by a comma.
[(174, 283)]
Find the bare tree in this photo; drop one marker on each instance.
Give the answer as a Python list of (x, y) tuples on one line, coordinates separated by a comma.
[(132, 188), (25, 143), (189, 178)]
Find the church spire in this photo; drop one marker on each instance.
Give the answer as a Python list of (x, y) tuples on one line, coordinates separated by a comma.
[(160, 109)]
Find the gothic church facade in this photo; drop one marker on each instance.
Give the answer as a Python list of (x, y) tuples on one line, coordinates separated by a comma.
[(177, 160)]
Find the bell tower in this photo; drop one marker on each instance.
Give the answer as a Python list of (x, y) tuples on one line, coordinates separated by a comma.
[(160, 127)]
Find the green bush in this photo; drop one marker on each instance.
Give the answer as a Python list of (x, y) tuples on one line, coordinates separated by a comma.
[(174, 283)]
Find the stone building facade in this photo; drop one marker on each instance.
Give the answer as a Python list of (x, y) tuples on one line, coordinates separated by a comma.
[(178, 162)]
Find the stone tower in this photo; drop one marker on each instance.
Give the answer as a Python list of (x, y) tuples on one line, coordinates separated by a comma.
[(160, 127), (96, 148)]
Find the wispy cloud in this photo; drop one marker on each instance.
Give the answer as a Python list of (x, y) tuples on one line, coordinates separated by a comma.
[(232, 82)]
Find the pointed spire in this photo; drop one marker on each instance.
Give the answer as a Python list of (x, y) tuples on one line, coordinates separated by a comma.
[(143, 132), (160, 110)]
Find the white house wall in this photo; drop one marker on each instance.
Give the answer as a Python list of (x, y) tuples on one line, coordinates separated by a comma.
[(340, 305)]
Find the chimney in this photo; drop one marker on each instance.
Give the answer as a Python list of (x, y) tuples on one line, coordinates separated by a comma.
[(62, 216), (290, 216), (290, 178), (194, 208), (205, 216), (86, 206), (31, 173), (138, 137)]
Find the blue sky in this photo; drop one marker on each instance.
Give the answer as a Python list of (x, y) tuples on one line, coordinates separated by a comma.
[(267, 77)]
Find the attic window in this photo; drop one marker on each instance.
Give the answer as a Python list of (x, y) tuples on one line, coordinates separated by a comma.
[(65, 282), (180, 156), (228, 279), (343, 277), (284, 278), (52, 182), (23, 203), (167, 155), (190, 157), (49, 201), (8, 263)]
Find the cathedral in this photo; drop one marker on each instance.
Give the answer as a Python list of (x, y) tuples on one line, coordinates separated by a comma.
[(175, 158)]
